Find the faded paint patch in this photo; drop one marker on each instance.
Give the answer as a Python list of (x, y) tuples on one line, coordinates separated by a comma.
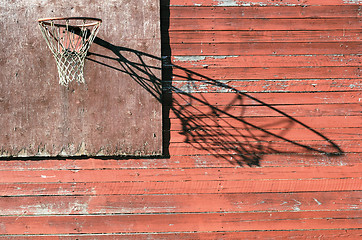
[(71, 207), (296, 206), (225, 56), (273, 3), (3, 227), (227, 3), (189, 58), (62, 191), (79, 207), (45, 177), (319, 203), (200, 58), (352, 1), (200, 162), (354, 206), (43, 209)]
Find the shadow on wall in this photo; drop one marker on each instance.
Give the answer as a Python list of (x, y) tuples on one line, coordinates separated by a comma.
[(223, 130)]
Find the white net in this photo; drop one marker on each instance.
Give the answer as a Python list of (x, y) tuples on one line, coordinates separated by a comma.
[(69, 40)]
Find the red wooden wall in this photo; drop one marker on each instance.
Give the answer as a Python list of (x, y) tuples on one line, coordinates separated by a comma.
[(262, 127)]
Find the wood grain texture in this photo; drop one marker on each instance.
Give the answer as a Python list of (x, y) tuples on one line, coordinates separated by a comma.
[(249, 3), (230, 36), (310, 234), (267, 48), (180, 222), (179, 203), (204, 85), (197, 161), (271, 98), (271, 84), (165, 175), (245, 73), (273, 61), (40, 117), (326, 122), (205, 111), (252, 148), (321, 11), (241, 24), (179, 187)]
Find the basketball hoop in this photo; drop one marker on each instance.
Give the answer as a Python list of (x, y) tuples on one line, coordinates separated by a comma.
[(69, 39)]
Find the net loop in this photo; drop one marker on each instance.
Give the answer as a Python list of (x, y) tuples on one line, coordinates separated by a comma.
[(69, 40)]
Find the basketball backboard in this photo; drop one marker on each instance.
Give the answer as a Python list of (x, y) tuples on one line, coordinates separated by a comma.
[(113, 113)]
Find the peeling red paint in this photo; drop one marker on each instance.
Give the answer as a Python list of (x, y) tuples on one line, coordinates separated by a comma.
[(286, 102)]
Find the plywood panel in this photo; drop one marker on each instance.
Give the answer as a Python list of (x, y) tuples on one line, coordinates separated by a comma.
[(41, 118)]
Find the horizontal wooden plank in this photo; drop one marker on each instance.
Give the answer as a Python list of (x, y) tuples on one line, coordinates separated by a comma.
[(252, 24), (204, 37), (193, 174), (180, 222), (201, 160), (274, 98), (248, 151), (209, 85), (246, 132), (316, 123), (301, 159), (203, 133), (301, 234), (194, 115), (276, 61), (326, 11), (247, 3), (252, 152), (264, 48), (193, 203), (197, 161), (179, 187), (246, 73), (296, 234)]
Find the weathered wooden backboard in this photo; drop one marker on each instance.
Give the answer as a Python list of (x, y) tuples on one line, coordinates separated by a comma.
[(114, 113)]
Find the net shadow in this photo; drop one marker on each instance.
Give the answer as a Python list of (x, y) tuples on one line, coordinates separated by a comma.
[(225, 130), (195, 124)]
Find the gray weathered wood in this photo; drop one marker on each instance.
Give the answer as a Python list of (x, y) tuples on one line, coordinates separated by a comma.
[(112, 114)]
